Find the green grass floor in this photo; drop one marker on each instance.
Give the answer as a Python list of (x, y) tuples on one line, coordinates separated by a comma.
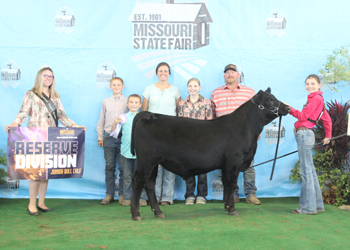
[(85, 224)]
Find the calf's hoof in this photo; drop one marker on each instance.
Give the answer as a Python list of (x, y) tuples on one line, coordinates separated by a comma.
[(234, 213), (137, 218), (161, 215)]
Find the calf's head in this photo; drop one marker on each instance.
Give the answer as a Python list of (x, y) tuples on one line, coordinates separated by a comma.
[(265, 101)]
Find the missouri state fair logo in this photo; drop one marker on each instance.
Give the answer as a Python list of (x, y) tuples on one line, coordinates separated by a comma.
[(240, 71), (104, 73), (216, 185), (271, 132), (276, 23), (10, 74), (171, 32), (8, 187), (64, 20), (170, 26)]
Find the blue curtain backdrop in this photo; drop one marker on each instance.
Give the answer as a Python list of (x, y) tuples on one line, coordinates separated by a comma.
[(274, 43)]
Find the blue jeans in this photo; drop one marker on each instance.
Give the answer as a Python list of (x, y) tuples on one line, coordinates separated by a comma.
[(129, 167), (310, 195), (249, 182), (165, 184), (202, 187), (111, 148)]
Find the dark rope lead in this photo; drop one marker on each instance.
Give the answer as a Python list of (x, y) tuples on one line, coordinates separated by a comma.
[(295, 152), (278, 142), (276, 158)]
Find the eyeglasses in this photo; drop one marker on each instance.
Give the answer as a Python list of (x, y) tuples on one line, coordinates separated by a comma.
[(52, 77)]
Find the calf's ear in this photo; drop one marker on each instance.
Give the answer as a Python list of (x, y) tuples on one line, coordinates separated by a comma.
[(268, 90)]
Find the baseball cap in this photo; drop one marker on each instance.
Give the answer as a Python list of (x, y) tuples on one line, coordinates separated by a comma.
[(230, 66)]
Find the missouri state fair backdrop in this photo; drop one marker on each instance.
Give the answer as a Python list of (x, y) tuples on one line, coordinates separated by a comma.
[(274, 43)]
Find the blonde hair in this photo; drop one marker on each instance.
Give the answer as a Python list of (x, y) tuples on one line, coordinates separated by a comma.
[(195, 80), (39, 86)]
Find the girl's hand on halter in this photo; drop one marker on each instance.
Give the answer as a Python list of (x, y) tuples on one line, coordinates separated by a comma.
[(326, 141)]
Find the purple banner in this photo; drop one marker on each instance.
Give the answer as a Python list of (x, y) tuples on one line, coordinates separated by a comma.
[(45, 153)]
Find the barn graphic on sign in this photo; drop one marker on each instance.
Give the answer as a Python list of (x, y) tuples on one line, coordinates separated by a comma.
[(104, 74), (276, 23), (64, 20), (10, 74)]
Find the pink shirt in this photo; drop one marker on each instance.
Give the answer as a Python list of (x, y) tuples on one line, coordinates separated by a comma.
[(312, 110), (111, 108), (224, 101)]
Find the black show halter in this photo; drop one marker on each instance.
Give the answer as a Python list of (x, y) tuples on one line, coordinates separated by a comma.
[(261, 107)]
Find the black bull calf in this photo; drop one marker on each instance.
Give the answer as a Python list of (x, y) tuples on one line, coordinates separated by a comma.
[(189, 147)]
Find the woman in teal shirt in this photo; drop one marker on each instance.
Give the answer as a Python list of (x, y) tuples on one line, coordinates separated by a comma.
[(162, 98)]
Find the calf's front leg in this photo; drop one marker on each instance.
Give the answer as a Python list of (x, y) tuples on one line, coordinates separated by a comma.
[(230, 185)]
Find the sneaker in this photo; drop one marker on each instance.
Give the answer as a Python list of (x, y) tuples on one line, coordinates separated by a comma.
[(237, 200), (121, 199), (143, 203), (108, 199), (297, 212), (189, 202), (126, 203), (165, 203), (200, 200), (253, 200)]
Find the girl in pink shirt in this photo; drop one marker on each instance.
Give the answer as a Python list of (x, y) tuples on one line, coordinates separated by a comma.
[(310, 201)]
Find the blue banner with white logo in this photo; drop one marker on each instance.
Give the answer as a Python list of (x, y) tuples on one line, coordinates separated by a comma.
[(274, 44)]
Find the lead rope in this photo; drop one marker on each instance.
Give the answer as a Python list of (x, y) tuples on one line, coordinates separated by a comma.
[(278, 142), (319, 143)]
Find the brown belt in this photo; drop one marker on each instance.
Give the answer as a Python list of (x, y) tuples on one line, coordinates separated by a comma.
[(301, 128)]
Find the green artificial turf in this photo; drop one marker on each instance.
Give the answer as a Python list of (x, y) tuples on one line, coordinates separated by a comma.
[(85, 224)]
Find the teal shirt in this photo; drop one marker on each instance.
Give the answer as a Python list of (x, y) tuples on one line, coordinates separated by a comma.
[(162, 101), (126, 137)]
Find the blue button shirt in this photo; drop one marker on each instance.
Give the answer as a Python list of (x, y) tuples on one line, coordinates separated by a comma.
[(126, 137)]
